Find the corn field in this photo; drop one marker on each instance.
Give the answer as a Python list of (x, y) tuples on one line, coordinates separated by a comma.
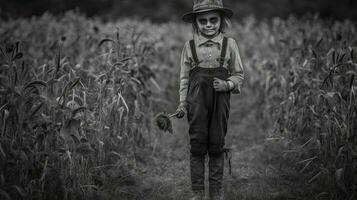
[(79, 97)]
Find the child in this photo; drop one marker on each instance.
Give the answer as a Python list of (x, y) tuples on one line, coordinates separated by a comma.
[(211, 69)]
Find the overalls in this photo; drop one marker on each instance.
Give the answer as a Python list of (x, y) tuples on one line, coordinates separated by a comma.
[(207, 113)]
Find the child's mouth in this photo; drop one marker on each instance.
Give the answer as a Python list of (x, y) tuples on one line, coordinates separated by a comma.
[(210, 30)]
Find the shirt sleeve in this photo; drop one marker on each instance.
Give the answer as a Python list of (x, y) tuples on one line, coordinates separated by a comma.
[(184, 72), (235, 67)]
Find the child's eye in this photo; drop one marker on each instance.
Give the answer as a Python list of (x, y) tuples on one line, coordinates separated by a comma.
[(202, 21), (214, 20)]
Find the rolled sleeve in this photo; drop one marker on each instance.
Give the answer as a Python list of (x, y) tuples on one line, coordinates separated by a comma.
[(184, 73), (236, 70)]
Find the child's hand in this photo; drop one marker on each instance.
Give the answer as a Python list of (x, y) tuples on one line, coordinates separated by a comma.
[(220, 85), (180, 110)]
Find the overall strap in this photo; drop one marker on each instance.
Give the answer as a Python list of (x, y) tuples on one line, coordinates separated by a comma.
[(193, 51), (223, 52)]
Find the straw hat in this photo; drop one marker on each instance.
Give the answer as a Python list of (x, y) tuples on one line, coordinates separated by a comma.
[(200, 6)]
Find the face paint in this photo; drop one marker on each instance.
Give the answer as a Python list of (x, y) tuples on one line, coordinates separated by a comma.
[(208, 23)]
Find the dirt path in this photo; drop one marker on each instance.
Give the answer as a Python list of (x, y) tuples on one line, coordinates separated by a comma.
[(257, 172)]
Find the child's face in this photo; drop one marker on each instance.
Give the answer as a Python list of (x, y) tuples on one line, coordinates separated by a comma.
[(208, 23)]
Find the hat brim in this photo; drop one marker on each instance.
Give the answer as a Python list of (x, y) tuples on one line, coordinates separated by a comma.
[(188, 17)]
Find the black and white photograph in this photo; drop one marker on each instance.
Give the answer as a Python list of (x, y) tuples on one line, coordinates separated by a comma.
[(178, 100)]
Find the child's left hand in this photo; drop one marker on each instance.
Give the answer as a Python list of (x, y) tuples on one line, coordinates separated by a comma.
[(220, 85)]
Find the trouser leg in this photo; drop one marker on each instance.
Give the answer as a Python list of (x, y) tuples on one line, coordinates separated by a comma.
[(197, 166), (198, 143), (216, 167), (218, 122), (217, 133), (198, 130)]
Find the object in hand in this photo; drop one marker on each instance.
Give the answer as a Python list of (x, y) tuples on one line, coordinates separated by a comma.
[(163, 121)]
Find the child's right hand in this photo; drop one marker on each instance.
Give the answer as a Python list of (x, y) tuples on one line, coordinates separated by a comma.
[(180, 111)]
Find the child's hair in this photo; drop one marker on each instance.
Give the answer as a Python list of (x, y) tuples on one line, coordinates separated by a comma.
[(225, 23)]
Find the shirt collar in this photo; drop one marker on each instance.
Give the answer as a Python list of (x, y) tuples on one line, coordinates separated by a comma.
[(202, 40)]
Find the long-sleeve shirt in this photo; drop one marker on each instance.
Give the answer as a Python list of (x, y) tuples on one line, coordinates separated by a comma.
[(208, 53)]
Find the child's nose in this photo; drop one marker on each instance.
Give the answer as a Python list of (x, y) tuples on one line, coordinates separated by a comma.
[(209, 23)]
